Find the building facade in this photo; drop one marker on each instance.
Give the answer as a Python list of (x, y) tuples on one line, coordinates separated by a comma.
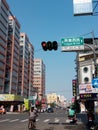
[(4, 13), (23, 65), (86, 65), (31, 70), (87, 61), (12, 57), (52, 98), (39, 77)]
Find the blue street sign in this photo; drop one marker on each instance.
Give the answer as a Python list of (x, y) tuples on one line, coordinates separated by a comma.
[(95, 83)]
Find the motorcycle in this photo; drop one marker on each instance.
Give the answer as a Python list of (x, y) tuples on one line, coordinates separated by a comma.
[(72, 119), (91, 121)]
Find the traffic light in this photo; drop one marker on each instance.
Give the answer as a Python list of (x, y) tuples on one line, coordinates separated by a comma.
[(49, 45), (88, 40), (44, 45), (74, 87), (55, 45)]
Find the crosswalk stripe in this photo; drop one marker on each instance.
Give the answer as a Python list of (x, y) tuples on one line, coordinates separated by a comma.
[(56, 120), (4, 120), (46, 120), (24, 120), (37, 119), (14, 120)]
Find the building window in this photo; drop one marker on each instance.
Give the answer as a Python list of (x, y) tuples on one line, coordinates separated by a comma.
[(85, 69)]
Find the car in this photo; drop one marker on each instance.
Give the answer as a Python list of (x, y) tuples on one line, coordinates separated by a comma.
[(50, 110), (2, 111)]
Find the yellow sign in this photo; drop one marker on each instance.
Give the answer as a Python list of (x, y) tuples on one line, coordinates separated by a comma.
[(10, 97), (26, 104)]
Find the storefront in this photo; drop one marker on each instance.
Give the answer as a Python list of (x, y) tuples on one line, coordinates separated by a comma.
[(12, 102)]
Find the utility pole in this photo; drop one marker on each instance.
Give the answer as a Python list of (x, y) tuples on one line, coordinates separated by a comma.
[(94, 53)]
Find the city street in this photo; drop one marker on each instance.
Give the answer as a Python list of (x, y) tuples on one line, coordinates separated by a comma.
[(45, 121)]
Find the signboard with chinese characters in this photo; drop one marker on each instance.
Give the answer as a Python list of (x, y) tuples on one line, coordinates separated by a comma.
[(72, 44), (87, 88), (82, 7), (89, 96)]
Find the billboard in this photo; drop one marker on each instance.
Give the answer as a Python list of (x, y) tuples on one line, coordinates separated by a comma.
[(87, 88), (10, 97), (82, 7)]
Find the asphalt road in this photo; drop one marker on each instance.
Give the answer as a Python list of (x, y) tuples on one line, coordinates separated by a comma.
[(45, 121)]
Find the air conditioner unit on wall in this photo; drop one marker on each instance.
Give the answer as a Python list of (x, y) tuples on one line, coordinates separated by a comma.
[(86, 74)]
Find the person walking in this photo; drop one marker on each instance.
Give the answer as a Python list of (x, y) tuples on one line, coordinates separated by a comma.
[(32, 116)]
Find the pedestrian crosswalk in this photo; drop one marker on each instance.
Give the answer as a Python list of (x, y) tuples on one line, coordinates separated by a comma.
[(47, 120), (55, 120)]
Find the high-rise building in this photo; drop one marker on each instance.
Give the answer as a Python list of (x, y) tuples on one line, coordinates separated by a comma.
[(16, 61), (39, 77), (12, 57), (26, 65), (31, 70), (23, 65), (4, 12)]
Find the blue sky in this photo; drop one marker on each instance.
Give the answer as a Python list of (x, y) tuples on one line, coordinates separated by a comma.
[(49, 20)]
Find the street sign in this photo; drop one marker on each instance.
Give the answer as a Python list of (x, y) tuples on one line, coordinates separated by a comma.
[(72, 44), (95, 83)]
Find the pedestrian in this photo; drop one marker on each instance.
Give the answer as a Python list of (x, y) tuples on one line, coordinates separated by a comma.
[(32, 115)]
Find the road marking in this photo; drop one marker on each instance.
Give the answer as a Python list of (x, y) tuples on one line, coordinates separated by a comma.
[(67, 121), (24, 120), (37, 119), (4, 120), (14, 120), (56, 120), (46, 120)]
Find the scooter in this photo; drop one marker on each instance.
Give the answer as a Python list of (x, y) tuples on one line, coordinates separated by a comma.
[(72, 119), (91, 121)]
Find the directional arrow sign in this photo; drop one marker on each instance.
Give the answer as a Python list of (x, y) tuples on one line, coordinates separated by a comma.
[(72, 44), (95, 83)]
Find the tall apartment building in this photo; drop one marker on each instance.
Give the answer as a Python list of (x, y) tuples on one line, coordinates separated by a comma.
[(39, 77), (31, 70), (4, 12), (12, 57), (16, 61), (9, 50), (26, 66)]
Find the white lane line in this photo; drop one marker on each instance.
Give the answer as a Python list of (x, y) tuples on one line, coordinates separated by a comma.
[(37, 119), (4, 120), (46, 120), (14, 120), (24, 120), (56, 120)]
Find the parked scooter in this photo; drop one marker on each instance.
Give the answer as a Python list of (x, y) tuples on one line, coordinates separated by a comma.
[(91, 118), (72, 119)]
